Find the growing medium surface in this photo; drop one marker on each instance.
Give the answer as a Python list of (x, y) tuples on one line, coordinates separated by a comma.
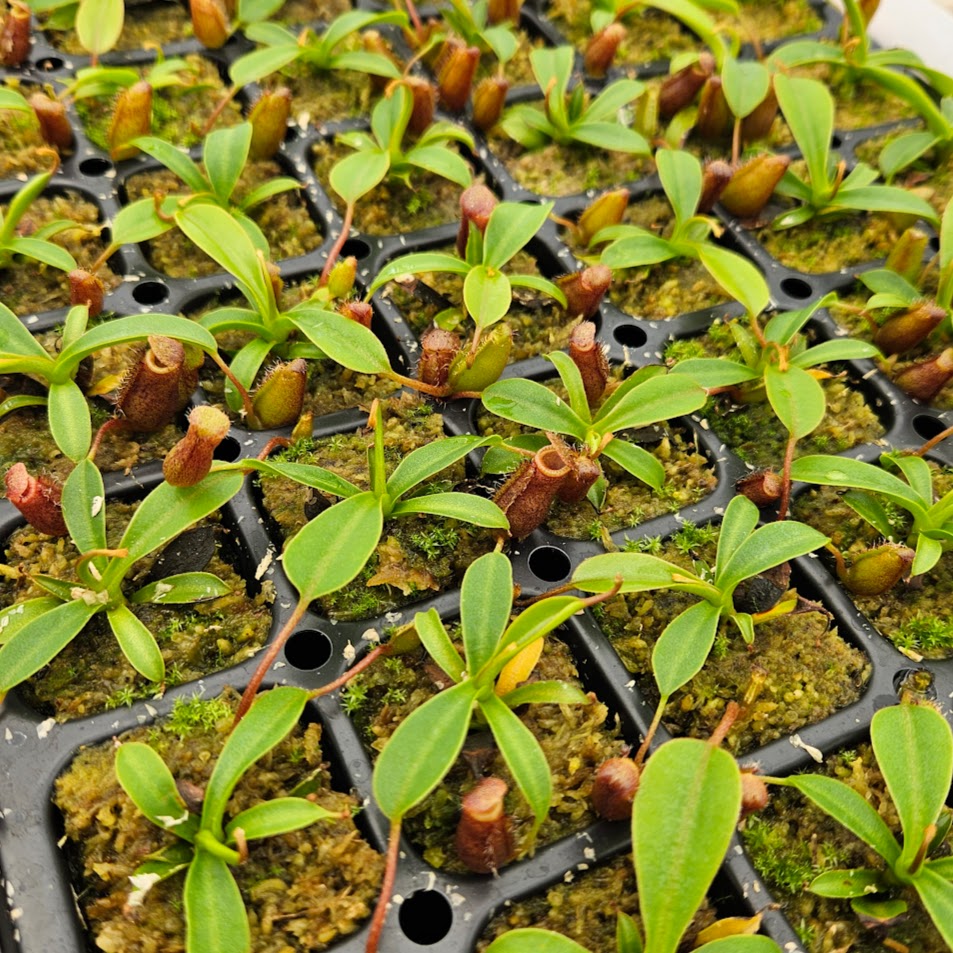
[(302, 890)]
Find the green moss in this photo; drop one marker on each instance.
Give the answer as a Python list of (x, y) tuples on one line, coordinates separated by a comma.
[(796, 672), (576, 739), (792, 841), (302, 890)]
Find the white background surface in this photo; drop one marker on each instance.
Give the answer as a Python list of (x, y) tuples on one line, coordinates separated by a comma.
[(925, 26)]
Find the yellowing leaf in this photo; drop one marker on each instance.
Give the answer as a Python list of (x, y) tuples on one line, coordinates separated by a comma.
[(729, 926), (518, 668)]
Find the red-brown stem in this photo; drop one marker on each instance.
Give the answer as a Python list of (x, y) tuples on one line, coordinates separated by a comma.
[(387, 888), (236, 383), (414, 19), (114, 423), (338, 244), (933, 441), (272, 446), (736, 141), (731, 715), (650, 734), (786, 477), (267, 659), (355, 669), (230, 94)]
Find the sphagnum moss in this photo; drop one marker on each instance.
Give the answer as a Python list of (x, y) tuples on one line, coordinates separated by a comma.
[(302, 890)]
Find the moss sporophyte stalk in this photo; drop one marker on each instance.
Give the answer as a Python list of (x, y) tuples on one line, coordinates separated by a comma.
[(556, 396)]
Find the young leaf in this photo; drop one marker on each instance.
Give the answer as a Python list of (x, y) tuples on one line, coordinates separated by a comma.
[(99, 24), (511, 226), (137, 643), (936, 894), (437, 642), (15, 617), (843, 471), (682, 648), (766, 547), (484, 620), (847, 883), (277, 816), (215, 917), (83, 506), (181, 589), (533, 405), (683, 817), (69, 421), (809, 111), (633, 459), (459, 506), (271, 716), (224, 153), (422, 750), (487, 295), (344, 341), (522, 754), (146, 778), (681, 175), (534, 940), (914, 749)]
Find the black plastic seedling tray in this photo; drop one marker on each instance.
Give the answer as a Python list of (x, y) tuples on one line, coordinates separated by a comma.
[(441, 912)]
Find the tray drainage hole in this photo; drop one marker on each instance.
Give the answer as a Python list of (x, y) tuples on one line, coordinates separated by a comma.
[(918, 682), (150, 292), (797, 288), (425, 917), (354, 246), (49, 64), (308, 649), (228, 450), (630, 335), (549, 564), (95, 165), (927, 427)]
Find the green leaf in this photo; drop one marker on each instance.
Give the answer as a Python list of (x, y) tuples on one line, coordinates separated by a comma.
[(459, 506), (936, 894), (346, 342), (69, 420), (333, 548), (137, 643), (740, 520), (225, 153), (267, 190), (354, 176), (916, 470), (418, 264), (745, 85), (16, 340), (658, 398), (683, 817), (277, 816), (545, 693), (681, 175), (437, 642), (572, 381), (260, 63), (684, 645), (485, 601), (796, 397), (849, 808), (443, 161), (422, 750), (640, 572), (886, 198), (537, 283), (245, 366), (840, 349), (534, 940), (533, 405), (870, 509), (99, 24), (634, 251), (637, 461), (217, 233), (15, 617), (32, 646), (741, 944), (181, 589), (928, 554), (175, 160), (843, 471), (766, 547), (715, 372), (486, 295), (808, 109), (309, 474), (914, 749), (42, 251), (215, 917), (271, 716), (843, 884), (510, 227), (427, 461), (736, 275), (611, 136), (627, 936), (84, 506), (522, 754), (166, 512), (531, 624), (146, 778), (140, 221)]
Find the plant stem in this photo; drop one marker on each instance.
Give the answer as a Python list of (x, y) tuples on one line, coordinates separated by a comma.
[(387, 888), (267, 659), (355, 669), (236, 383), (217, 111), (933, 441), (786, 477), (650, 734), (335, 251)]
